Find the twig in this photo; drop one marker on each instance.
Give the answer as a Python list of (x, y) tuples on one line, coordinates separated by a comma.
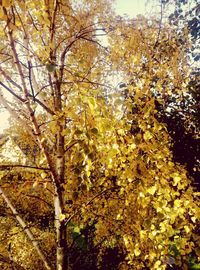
[(12, 92), (7, 166)]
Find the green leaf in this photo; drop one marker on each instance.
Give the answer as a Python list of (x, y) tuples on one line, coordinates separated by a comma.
[(94, 130), (77, 229), (50, 67)]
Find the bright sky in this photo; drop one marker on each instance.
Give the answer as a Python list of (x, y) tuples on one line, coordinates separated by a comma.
[(130, 7)]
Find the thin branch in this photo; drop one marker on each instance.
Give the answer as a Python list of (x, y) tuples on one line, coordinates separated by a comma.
[(26, 229), (85, 205), (12, 92), (47, 109), (4, 61), (9, 166), (70, 146), (94, 41), (30, 80), (8, 78), (27, 94), (38, 198)]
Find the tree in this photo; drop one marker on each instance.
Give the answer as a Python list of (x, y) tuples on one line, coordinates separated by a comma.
[(186, 14), (103, 157), (183, 120)]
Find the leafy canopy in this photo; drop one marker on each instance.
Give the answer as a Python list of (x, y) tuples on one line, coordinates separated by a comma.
[(118, 170)]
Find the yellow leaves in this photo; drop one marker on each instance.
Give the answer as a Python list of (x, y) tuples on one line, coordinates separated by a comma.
[(157, 264), (87, 169), (43, 175), (141, 194), (179, 179), (177, 203), (152, 190), (77, 229), (7, 3), (163, 226), (132, 146), (187, 229), (126, 240), (193, 219), (130, 245), (91, 103), (15, 230), (121, 132), (119, 217), (176, 178), (62, 217), (35, 184), (147, 135), (43, 140), (143, 234), (137, 250), (152, 255), (100, 228), (171, 164), (42, 160), (22, 6), (184, 245), (139, 165), (2, 15)]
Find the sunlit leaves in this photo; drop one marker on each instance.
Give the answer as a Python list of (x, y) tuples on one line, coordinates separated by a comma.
[(147, 135), (118, 168)]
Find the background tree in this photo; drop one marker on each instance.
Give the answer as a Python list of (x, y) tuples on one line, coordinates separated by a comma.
[(183, 120)]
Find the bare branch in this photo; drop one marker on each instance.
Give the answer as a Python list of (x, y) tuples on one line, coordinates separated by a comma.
[(12, 92), (47, 109), (9, 166)]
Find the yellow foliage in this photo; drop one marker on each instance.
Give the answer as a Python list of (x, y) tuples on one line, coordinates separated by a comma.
[(108, 157)]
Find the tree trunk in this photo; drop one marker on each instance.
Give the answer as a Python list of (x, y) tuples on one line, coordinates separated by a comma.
[(61, 236)]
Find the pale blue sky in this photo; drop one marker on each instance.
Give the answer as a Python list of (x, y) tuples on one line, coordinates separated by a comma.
[(131, 7)]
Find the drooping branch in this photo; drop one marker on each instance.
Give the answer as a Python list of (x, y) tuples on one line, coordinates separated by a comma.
[(78, 211), (37, 198), (25, 228)]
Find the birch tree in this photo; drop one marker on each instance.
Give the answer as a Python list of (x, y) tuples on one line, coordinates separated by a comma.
[(102, 152)]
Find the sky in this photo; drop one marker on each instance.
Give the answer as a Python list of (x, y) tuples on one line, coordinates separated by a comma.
[(130, 7), (135, 7)]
